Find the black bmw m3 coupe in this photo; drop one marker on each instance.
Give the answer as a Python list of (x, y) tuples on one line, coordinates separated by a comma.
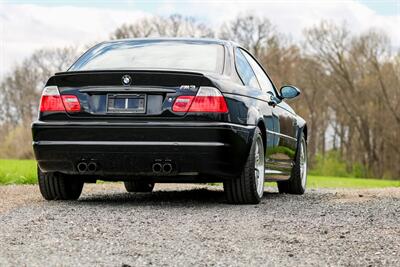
[(147, 111)]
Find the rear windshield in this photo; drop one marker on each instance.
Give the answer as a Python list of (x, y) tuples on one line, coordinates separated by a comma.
[(152, 55)]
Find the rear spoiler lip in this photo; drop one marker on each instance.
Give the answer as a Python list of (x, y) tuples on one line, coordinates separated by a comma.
[(69, 76), (185, 72)]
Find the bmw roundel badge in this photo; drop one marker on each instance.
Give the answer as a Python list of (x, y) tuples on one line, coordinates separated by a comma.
[(126, 80)]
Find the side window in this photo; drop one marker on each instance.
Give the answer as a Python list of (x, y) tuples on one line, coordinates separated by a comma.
[(245, 71), (262, 78)]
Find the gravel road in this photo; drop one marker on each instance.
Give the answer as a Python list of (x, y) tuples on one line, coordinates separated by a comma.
[(183, 225)]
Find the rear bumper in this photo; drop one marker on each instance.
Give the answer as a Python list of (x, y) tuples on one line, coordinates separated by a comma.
[(129, 149)]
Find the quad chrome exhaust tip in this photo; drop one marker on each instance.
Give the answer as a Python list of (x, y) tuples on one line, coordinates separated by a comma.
[(84, 167), (92, 166), (167, 168), (162, 168), (157, 167)]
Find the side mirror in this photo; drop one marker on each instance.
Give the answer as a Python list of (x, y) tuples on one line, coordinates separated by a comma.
[(289, 92)]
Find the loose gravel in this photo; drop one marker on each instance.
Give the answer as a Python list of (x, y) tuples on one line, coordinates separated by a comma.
[(183, 225)]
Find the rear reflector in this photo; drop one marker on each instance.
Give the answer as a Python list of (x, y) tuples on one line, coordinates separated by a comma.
[(208, 99), (52, 101)]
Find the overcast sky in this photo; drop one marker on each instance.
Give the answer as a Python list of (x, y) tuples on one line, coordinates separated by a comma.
[(29, 25)]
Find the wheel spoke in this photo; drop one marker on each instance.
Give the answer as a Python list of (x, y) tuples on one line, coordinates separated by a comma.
[(303, 163), (259, 166)]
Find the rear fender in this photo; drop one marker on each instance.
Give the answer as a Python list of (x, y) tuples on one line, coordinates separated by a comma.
[(253, 116)]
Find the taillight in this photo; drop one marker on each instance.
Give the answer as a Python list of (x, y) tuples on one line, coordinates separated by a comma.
[(182, 103), (71, 103), (52, 101), (208, 99)]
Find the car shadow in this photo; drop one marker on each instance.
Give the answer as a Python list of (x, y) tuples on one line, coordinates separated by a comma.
[(199, 196)]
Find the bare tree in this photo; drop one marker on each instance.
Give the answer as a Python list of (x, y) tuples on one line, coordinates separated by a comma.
[(253, 32), (361, 99), (139, 29), (171, 26)]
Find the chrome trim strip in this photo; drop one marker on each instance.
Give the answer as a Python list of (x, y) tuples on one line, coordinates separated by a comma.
[(127, 143), (138, 124), (283, 135)]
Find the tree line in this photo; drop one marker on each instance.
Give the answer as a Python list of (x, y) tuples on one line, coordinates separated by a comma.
[(350, 85)]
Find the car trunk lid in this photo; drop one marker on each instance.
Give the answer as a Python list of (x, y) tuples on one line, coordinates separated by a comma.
[(127, 94)]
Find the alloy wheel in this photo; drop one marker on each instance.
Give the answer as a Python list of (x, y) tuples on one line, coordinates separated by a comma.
[(303, 163), (259, 166)]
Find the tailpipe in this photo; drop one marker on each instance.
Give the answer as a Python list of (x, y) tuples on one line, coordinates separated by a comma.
[(82, 167), (157, 167), (92, 166), (167, 168)]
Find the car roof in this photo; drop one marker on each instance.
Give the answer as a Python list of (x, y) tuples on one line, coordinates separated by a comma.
[(176, 39)]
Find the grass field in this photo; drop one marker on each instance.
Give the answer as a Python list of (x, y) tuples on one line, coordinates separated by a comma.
[(345, 182), (17, 171), (24, 172)]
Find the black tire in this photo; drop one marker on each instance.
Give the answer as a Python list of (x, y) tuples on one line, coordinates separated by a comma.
[(138, 186), (57, 186), (295, 184), (243, 190)]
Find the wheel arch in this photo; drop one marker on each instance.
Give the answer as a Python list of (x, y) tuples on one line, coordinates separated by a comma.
[(263, 129), (302, 128), (305, 131), (302, 131)]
